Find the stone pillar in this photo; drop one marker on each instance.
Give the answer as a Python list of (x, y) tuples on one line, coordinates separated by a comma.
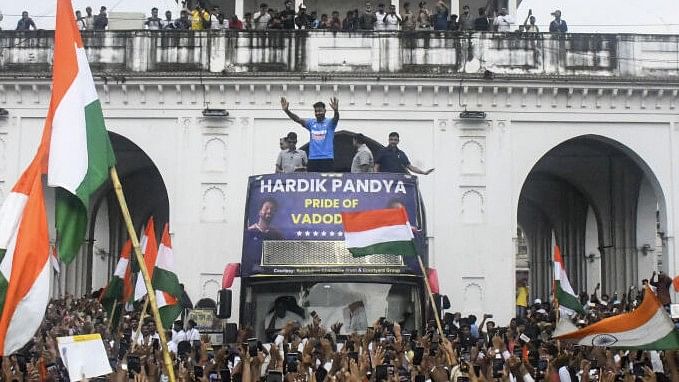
[(511, 8), (239, 9), (455, 8), (297, 4)]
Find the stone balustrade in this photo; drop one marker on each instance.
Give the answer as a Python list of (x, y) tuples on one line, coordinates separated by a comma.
[(175, 53)]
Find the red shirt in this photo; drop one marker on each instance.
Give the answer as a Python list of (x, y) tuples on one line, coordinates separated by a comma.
[(236, 25)]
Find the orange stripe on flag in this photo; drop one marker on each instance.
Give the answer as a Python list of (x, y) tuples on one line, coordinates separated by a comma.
[(31, 252), (367, 220), (557, 256), (151, 250), (624, 322)]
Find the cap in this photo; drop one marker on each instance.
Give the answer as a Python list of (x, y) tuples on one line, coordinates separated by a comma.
[(541, 311), (302, 6), (554, 13), (537, 301)]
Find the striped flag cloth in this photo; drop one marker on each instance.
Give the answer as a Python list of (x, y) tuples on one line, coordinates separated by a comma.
[(648, 327), (80, 153), (166, 283), (149, 247), (385, 231), (24, 266), (563, 292), (120, 287)]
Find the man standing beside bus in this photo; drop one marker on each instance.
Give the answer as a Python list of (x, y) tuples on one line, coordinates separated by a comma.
[(392, 159), (321, 134)]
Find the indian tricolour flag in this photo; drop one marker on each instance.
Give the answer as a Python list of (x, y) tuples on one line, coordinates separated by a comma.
[(149, 248), (24, 265), (166, 283), (385, 231), (648, 327), (563, 292), (119, 288), (80, 153)]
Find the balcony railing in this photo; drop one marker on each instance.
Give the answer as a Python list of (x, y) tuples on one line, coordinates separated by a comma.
[(394, 53)]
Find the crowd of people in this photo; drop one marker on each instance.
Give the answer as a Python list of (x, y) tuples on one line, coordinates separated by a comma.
[(314, 350), (378, 17)]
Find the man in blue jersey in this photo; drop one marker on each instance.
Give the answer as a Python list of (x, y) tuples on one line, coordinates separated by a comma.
[(321, 134)]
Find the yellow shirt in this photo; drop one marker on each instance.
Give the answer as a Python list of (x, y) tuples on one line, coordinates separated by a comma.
[(197, 21), (522, 296)]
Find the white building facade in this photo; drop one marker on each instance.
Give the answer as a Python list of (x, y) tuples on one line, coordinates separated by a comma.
[(579, 144)]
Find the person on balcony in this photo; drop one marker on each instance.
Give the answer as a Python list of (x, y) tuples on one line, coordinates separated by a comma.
[(440, 18), (367, 20), (503, 21), (334, 23), (25, 23), (558, 25), (423, 17), (466, 20), (101, 20), (363, 159), (288, 15), (262, 18), (80, 20), (379, 18), (303, 20), (200, 18), (529, 24), (481, 23), (168, 23), (409, 19), (350, 23), (89, 19), (154, 22), (183, 22), (392, 20), (235, 23), (291, 159)]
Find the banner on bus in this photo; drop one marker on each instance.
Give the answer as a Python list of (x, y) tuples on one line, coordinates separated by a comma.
[(308, 206)]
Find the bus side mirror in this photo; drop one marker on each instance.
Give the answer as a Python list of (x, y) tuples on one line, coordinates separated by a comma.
[(224, 303)]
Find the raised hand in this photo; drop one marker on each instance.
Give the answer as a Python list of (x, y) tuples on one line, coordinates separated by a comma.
[(284, 104), (334, 103)]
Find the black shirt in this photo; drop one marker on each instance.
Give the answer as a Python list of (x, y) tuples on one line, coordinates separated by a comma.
[(481, 23), (392, 160), (288, 17)]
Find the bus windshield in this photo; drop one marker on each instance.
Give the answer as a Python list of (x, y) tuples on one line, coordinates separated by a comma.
[(356, 305)]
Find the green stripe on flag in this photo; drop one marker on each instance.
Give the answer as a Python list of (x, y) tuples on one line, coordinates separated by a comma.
[(167, 281), (567, 300), (403, 248), (169, 313), (669, 342), (71, 210)]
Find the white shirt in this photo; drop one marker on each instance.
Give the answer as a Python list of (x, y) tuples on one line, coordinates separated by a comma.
[(216, 25), (504, 23), (261, 23), (564, 375), (192, 335), (141, 340), (179, 336), (391, 22), (379, 23)]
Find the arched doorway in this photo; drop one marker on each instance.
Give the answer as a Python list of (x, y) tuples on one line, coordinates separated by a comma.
[(345, 150), (146, 196), (602, 204)]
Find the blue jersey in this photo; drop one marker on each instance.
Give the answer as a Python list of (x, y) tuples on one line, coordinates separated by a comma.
[(321, 136)]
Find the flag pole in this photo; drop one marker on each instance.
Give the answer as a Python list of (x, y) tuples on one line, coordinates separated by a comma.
[(151, 295), (431, 296), (113, 312), (141, 322)]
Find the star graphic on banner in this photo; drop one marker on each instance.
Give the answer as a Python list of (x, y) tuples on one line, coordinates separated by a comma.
[(323, 233), (332, 233), (340, 233), (315, 233), (299, 233), (307, 233)]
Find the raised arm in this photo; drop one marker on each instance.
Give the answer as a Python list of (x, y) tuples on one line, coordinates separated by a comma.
[(530, 13), (416, 170), (285, 106), (334, 104)]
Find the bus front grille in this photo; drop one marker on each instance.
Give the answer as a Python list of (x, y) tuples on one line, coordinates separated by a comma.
[(319, 253)]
